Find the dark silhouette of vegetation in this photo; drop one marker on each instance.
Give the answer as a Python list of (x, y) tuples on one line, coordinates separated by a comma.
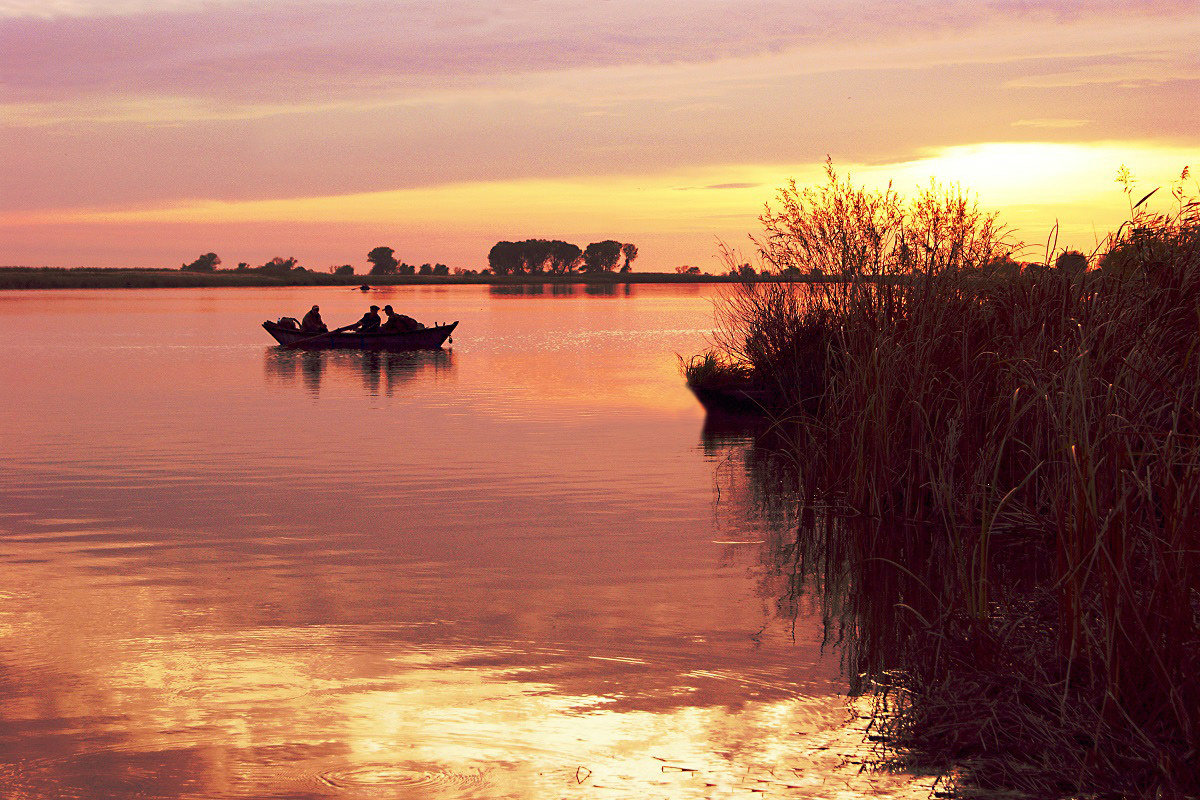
[(601, 256), (556, 257), (205, 263), (534, 256), (745, 271), (505, 258), (686, 270), (277, 267), (564, 257), (383, 261), (1071, 261), (280, 266), (630, 252), (344, 269), (999, 473)]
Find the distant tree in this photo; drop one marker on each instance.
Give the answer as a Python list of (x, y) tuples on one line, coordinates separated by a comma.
[(406, 269), (536, 254), (344, 269), (505, 258), (630, 252), (205, 263), (425, 269), (441, 269), (686, 270), (601, 256), (383, 261), (743, 271), (564, 257), (279, 265)]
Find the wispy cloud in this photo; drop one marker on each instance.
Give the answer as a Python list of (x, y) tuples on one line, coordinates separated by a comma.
[(1050, 122), (286, 49), (718, 186)]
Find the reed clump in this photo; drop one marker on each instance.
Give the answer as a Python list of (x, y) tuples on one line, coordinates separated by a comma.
[(1002, 483), (712, 370)]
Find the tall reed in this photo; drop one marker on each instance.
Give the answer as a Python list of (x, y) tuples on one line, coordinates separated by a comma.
[(1002, 473)]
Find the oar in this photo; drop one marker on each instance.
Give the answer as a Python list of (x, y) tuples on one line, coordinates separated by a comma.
[(308, 339)]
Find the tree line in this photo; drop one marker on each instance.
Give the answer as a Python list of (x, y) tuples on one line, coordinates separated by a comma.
[(382, 259), (383, 262), (532, 256), (557, 257)]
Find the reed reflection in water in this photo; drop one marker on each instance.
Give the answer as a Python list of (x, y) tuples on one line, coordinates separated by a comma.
[(501, 571)]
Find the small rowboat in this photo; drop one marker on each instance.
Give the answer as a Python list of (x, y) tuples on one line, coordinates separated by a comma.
[(420, 339), (738, 400)]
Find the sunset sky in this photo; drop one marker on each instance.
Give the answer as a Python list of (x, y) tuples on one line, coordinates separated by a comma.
[(145, 132)]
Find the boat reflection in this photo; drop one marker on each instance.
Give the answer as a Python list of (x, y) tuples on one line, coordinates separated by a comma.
[(381, 371)]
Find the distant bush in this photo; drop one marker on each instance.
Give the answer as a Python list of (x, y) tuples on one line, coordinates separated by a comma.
[(279, 265), (205, 263)]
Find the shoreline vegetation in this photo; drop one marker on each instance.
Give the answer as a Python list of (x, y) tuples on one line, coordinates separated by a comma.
[(149, 278), (997, 473)]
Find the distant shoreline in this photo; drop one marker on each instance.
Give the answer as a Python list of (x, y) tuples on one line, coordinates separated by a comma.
[(100, 278)]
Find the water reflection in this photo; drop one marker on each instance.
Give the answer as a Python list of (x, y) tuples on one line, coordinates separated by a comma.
[(380, 371), (562, 289), (234, 573), (758, 478), (519, 289)]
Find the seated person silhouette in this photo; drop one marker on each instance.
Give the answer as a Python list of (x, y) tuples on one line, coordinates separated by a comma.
[(399, 322), (369, 322), (312, 322)]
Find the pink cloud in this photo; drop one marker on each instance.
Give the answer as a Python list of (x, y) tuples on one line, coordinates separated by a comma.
[(290, 50)]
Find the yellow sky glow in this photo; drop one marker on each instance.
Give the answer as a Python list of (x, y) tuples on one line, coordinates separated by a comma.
[(1030, 184)]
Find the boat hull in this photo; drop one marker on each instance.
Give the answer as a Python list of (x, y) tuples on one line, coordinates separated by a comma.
[(734, 400), (422, 339)]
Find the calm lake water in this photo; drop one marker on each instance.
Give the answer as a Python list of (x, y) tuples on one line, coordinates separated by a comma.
[(520, 567)]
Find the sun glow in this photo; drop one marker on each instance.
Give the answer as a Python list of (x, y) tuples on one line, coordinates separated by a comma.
[(1040, 189), (1019, 173)]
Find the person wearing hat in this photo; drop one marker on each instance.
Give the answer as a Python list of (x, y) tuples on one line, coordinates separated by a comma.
[(369, 322), (312, 322), (399, 322)]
